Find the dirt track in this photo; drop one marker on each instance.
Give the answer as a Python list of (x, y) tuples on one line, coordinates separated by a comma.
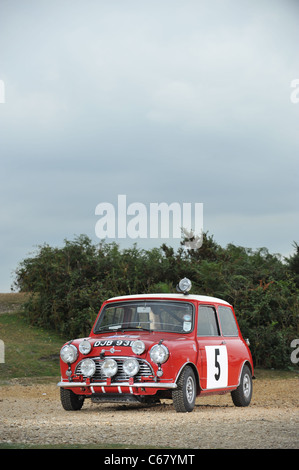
[(34, 415)]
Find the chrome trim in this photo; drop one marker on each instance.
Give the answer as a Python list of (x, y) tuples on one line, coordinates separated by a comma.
[(241, 370), (184, 365), (240, 373), (117, 384)]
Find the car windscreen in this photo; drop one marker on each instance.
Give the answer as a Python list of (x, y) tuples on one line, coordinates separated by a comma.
[(162, 315)]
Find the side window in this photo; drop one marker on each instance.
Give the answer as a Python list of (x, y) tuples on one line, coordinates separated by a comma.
[(227, 321), (207, 321)]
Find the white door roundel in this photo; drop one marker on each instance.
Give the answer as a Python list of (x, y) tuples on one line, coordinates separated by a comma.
[(217, 366)]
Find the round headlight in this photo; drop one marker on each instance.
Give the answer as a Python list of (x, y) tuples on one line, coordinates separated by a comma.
[(185, 285), (159, 353), (138, 347), (109, 367), (69, 353), (85, 347), (88, 367), (131, 366)]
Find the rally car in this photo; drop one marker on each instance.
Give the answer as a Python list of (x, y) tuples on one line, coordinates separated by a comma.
[(152, 346)]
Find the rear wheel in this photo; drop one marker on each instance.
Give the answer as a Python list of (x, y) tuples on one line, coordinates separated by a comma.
[(185, 394), (70, 401), (242, 395)]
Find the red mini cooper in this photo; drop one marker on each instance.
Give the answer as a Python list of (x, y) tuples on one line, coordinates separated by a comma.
[(151, 346)]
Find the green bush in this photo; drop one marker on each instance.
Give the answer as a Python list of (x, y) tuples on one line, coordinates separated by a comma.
[(69, 284)]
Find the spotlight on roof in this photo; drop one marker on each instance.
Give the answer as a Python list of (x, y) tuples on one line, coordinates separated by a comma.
[(184, 286)]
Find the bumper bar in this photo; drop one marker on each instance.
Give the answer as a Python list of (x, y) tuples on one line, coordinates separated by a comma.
[(118, 384)]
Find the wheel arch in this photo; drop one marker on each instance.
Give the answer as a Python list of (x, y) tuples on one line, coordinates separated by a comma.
[(245, 363), (196, 374)]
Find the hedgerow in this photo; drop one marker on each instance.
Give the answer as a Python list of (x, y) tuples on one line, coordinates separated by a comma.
[(68, 284)]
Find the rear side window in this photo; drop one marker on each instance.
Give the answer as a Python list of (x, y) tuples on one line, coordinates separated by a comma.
[(227, 321), (207, 322)]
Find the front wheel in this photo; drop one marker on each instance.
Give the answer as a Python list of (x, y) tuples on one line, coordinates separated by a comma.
[(185, 394), (242, 395), (70, 401)]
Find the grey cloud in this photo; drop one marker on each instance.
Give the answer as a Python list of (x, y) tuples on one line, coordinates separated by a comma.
[(161, 101)]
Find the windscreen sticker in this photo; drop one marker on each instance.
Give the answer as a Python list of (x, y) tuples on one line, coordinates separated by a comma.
[(187, 325)]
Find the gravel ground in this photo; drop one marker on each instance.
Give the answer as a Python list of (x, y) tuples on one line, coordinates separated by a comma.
[(33, 415)]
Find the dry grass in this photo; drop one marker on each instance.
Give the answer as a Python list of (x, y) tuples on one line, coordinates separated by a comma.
[(12, 301)]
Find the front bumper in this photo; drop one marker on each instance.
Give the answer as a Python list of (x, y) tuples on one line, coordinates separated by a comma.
[(118, 384)]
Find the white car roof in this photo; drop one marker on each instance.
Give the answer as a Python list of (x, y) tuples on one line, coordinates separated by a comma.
[(200, 298)]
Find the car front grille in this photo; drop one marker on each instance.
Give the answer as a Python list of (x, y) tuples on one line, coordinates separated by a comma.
[(145, 370)]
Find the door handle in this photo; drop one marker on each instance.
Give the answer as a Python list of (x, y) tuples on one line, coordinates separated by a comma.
[(223, 342)]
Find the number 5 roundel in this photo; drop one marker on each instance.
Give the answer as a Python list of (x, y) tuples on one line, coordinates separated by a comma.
[(217, 366)]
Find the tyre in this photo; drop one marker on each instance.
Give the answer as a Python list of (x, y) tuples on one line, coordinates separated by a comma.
[(70, 401), (185, 394), (242, 395)]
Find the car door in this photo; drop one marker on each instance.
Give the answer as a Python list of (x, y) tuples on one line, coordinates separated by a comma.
[(212, 357), (236, 350)]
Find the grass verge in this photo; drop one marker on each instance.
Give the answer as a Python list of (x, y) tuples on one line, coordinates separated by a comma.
[(28, 351)]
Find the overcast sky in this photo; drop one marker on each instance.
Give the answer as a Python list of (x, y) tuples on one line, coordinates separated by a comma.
[(161, 101)]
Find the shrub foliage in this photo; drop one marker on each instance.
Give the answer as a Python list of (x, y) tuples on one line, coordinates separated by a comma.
[(68, 285)]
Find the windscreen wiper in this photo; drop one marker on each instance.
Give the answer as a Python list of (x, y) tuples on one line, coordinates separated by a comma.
[(123, 328), (110, 329)]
